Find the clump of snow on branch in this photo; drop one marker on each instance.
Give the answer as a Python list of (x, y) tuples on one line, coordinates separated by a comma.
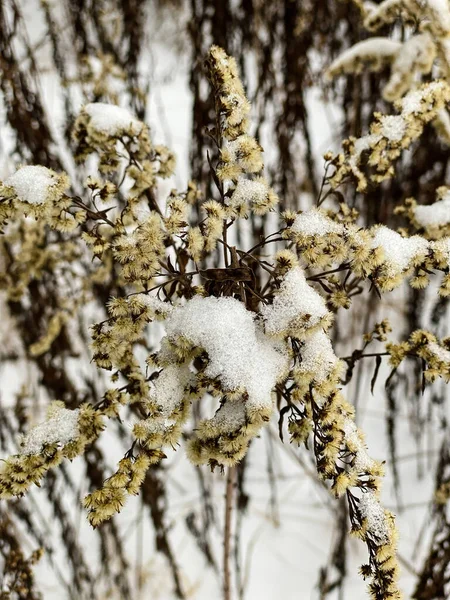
[(389, 135), (398, 251), (372, 511), (253, 193), (239, 354), (375, 51), (393, 127), (435, 214), (112, 120), (415, 56), (439, 351), (168, 390), (318, 357), (31, 183), (442, 247), (60, 428), (296, 308), (154, 304), (315, 222), (362, 461), (410, 58)]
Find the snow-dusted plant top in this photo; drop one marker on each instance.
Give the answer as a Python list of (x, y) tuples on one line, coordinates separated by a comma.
[(434, 215), (389, 135), (315, 222), (399, 252), (31, 183), (112, 120), (297, 307), (239, 353), (60, 428)]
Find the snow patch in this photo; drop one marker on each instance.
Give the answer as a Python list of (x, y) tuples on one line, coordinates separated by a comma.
[(318, 356), (435, 214), (398, 251), (61, 428), (31, 183), (296, 298), (112, 119), (315, 222), (371, 509), (393, 127), (239, 353)]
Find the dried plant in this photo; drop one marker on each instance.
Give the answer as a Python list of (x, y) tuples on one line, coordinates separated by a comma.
[(250, 315)]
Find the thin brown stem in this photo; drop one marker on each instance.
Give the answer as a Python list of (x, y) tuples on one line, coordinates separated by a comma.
[(229, 497)]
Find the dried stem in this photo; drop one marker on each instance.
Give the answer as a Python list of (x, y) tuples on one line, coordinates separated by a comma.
[(231, 476)]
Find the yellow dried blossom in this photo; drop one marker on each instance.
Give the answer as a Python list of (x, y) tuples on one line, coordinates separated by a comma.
[(389, 135)]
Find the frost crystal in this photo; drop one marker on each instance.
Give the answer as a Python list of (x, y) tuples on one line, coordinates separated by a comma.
[(239, 353), (111, 119), (295, 299), (315, 222), (61, 428), (31, 183), (398, 251), (372, 510)]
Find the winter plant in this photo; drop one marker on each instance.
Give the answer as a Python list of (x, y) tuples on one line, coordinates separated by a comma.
[(201, 313)]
